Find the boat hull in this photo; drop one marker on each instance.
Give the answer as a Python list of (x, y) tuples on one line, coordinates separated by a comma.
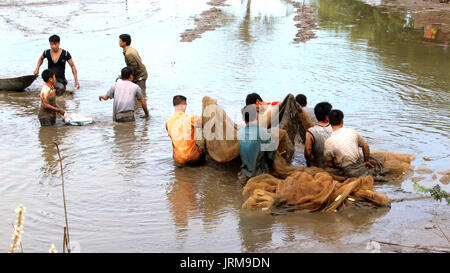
[(17, 84)]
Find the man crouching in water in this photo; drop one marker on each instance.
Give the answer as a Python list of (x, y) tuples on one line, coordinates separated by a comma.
[(181, 129), (256, 147), (48, 109), (124, 92)]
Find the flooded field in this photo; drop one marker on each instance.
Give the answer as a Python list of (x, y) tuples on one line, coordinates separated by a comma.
[(124, 193)]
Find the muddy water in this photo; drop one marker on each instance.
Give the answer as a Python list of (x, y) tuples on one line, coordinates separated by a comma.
[(124, 193)]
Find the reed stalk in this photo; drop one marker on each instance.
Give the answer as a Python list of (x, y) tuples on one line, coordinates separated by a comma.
[(18, 229), (66, 228)]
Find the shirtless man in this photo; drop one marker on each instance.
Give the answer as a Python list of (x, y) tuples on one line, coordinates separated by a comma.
[(57, 58)]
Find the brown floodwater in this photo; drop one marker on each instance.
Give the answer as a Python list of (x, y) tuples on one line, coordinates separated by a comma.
[(124, 193)]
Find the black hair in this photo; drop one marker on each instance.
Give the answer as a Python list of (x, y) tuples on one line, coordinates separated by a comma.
[(249, 113), (54, 39), (47, 74), (126, 73), (321, 110), (126, 38), (251, 98), (336, 117), (178, 99), (301, 99)]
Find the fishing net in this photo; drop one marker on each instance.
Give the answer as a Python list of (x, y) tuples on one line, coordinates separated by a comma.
[(318, 192), (395, 165), (220, 132), (317, 189)]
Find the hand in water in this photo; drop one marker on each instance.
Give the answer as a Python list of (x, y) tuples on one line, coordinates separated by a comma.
[(77, 84)]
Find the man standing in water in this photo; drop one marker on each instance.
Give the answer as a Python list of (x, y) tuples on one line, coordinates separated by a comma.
[(57, 58), (48, 109), (125, 92), (133, 61)]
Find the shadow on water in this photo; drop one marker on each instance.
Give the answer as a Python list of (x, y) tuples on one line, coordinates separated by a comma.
[(48, 136)]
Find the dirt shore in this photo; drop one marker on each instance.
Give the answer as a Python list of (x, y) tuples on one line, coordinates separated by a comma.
[(429, 15)]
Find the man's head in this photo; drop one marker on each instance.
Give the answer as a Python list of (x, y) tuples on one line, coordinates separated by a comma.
[(48, 76), (301, 99), (249, 113), (256, 100), (54, 41), (124, 40), (126, 74), (336, 118), (253, 98), (322, 111), (180, 103)]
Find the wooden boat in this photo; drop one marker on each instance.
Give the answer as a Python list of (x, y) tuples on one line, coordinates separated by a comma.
[(16, 84)]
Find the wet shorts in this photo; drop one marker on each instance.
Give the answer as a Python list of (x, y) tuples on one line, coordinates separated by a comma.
[(60, 87), (125, 116), (46, 122)]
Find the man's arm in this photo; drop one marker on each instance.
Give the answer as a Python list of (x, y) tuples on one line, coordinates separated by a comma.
[(366, 153), (198, 121), (133, 64), (329, 164), (53, 108), (74, 72), (105, 97), (39, 63), (328, 155), (308, 148), (144, 106)]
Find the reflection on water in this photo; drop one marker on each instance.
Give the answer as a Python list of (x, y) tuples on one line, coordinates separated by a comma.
[(182, 197), (48, 136), (124, 192)]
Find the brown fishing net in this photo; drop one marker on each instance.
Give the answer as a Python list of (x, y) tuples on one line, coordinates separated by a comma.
[(395, 165), (295, 187), (318, 192), (216, 126), (220, 132), (316, 189)]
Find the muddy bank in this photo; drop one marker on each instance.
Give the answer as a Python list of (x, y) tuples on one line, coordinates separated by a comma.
[(433, 17), (306, 22), (206, 21)]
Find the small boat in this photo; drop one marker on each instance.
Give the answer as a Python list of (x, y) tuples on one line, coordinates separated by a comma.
[(16, 84)]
